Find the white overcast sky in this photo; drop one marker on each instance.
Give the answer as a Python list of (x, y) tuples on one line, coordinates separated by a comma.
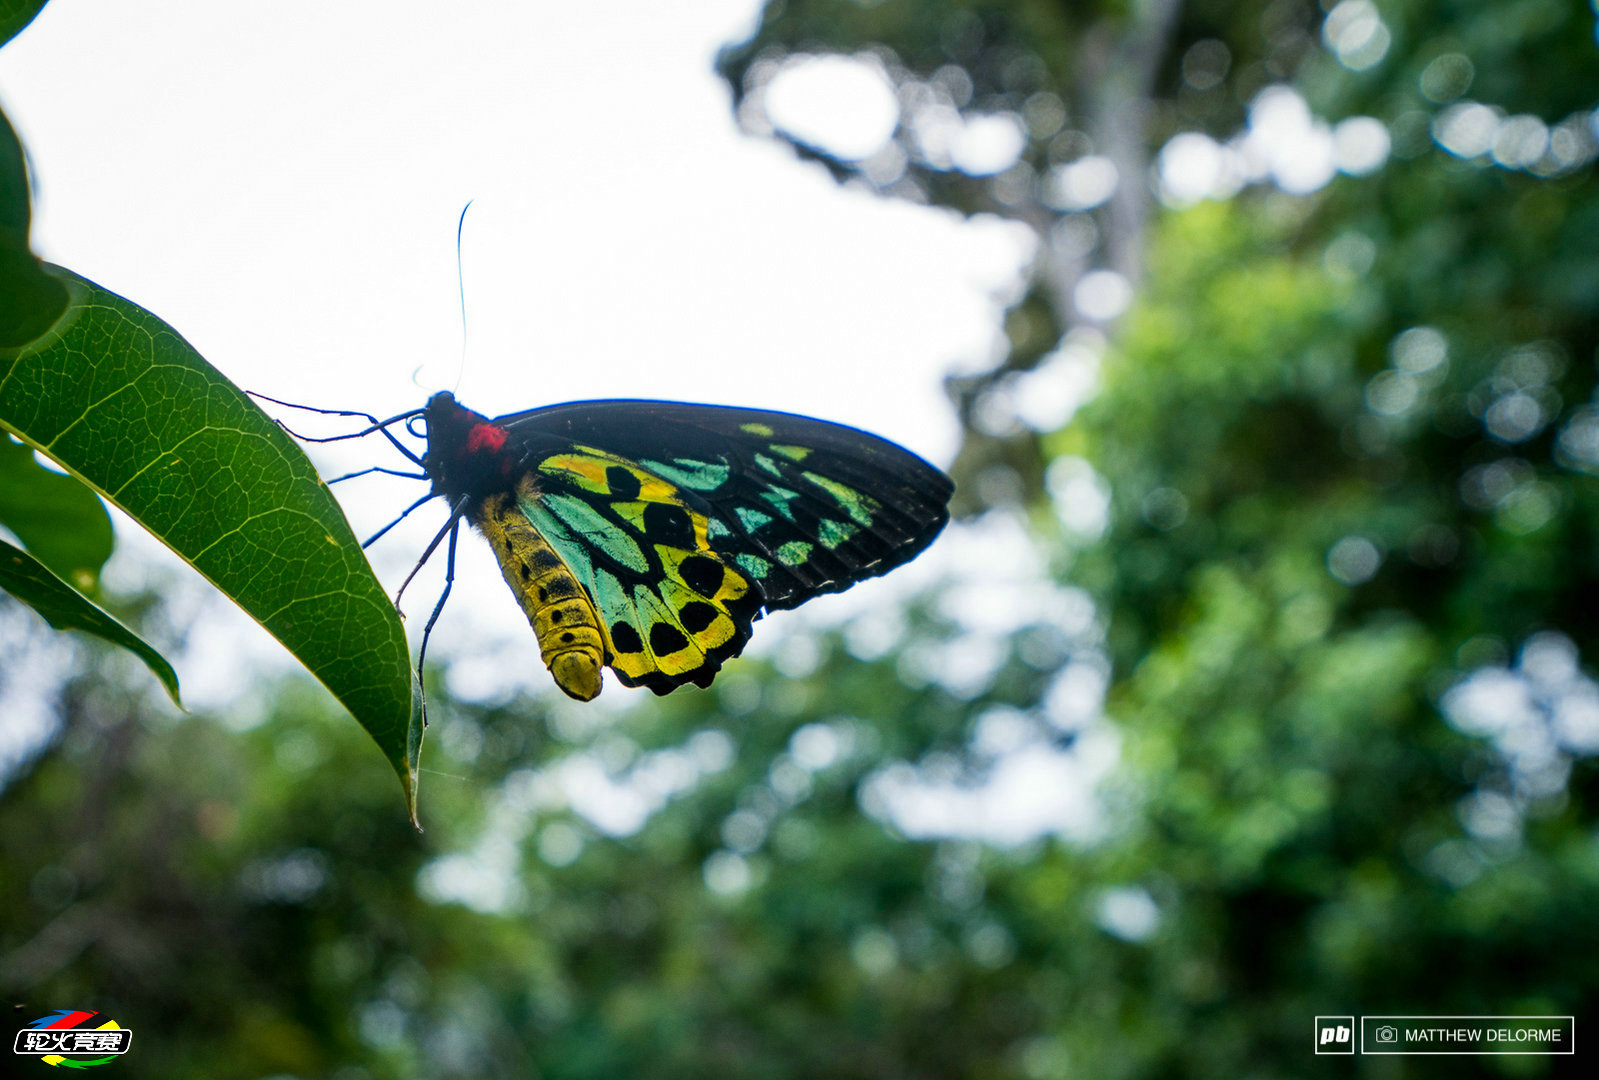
[(281, 184)]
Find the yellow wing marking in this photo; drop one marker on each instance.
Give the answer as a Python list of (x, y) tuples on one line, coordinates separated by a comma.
[(586, 468)]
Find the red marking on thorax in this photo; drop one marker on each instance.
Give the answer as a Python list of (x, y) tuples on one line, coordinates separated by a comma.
[(485, 437)]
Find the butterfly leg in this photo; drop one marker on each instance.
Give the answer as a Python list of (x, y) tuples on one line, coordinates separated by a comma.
[(379, 469), (438, 608), (448, 530), (380, 426), (369, 541)]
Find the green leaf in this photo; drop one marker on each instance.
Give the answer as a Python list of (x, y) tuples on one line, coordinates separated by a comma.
[(119, 400), (58, 520), (30, 299), (15, 15), (65, 608)]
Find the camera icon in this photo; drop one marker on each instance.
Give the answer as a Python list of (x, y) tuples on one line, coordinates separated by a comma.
[(1386, 1034)]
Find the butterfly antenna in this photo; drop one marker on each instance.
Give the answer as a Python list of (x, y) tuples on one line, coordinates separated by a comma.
[(460, 285), (448, 530)]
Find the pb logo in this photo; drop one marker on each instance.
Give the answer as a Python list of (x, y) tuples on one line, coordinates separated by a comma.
[(1335, 1034)]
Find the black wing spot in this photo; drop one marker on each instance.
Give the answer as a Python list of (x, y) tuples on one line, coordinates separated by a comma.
[(625, 638), (702, 574), (545, 560), (667, 524), (555, 616), (527, 571), (623, 484), (544, 594), (696, 616), (666, 639), (568, 637)]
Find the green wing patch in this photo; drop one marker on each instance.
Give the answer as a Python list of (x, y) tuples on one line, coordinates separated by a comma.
[(817, 527), (694, 475)]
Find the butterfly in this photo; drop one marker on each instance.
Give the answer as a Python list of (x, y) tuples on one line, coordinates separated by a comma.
[(648, 536)]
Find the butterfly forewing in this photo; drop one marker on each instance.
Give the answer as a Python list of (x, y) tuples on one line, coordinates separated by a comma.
[(800, 505)]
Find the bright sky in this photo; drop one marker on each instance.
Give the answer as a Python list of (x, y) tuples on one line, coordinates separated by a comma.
[(281, 184)]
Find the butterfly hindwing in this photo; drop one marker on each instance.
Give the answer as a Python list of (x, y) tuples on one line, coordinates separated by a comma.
[(671, 607)]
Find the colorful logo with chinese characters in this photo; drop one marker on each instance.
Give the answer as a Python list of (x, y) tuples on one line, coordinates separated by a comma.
[(74, 1039)]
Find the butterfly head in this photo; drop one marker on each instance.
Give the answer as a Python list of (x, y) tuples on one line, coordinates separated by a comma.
[(467, 452)]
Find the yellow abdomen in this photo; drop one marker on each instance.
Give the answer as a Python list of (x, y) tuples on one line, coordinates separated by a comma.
[(556, 605)]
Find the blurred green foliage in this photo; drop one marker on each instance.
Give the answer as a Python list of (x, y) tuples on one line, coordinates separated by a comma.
[(1346, 578)]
